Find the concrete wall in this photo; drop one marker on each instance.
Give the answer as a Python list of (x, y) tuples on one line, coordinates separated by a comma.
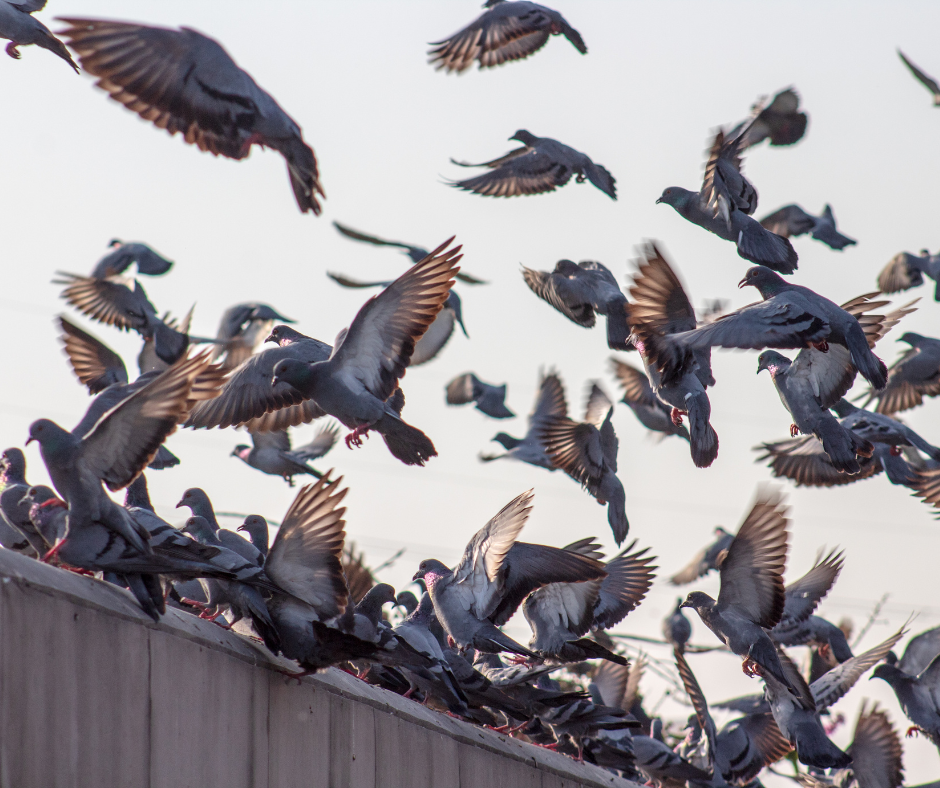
[(93, 693)]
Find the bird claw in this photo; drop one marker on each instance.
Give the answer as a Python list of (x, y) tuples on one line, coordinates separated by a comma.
[(895, 451), (676, 416), (254, 139), (354, 439), (822, 346), (580, 178), (12, 51), (913, 732), (750, 667), (794, 430)]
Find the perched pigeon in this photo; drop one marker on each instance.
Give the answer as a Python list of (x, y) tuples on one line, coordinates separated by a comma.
[(415, 253), (18, 531), (494, 576), (193, 86), (906, 270), (580, 291), (21, 29), (356, 382), (271, 452), (660, 310), (489, 399), (706, 559), (792, 220), (550, 403), (128, 253), (257, 529), (587, 452), (912, 377), (724, 207), (506, 31), (541, 165), (752, 599), (652, 412), (676, 628), (242, 329), (928, 82), (196, 500), (780, 120)]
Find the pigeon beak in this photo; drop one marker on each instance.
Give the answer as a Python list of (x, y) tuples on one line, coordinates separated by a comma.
[(742, 283), (275, 380), (180, 504), (417, 575), (241, 528), (29, 440), (659, 200), (270, 337)]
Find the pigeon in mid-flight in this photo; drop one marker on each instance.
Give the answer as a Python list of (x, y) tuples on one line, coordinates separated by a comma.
[(638, 395), (779, 119), (927, 81), (906, 270), (242, 329), (911, 378), (124, 254), (792, 220), (489, 399), (20, 28)]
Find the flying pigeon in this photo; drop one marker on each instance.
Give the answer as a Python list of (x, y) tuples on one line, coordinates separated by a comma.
[(906, 270), (494, 576), (271, 452), (652, 412), (660, 310), (362, 373), (676, 628), (705, 560), (724, 206), (242, 329), (752, 599), (541, 165), (506, 31), (580, 291), (21, 29), (124, 254), (928, 82), (919, 652), (918, 696), (183, 81), (792, 220), (802, 597), (550, 403), (489, 399), (911, 378), (879, 428), (587, 452), (780, 120)]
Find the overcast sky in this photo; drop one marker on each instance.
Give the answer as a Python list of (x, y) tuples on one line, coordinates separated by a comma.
[(77, 170)]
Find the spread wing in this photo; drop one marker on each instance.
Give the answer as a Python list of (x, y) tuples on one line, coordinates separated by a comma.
[(636, 386), (531, 171), (659, 299), (832, 685), (805, 594), (920, 652), (549, 404), (95, 364), (928, 82), (724, 188), (901, 273), (909, 381), (597, 407), (877, 753), (789, 221), (699, 704), (279, 440), (463, 389), (106, 300), (356, 235), (568, 294), (629, 577), (803, 461)]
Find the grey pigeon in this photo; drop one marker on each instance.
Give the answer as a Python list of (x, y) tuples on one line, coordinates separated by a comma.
[(580, 291), (706, 559), (792, 220), (197, 501), (829, 639), (257, 529), (197, 90), (587, 452), (271, 452), (676, 628), (242, 329), (928, 82), (415, 253), (356, 382), (489, 399), (879, 428), (541, 165), (780, 120), (906, 270), (494, 576), (549, 403), (661, 309), (128, 253), (21, 29), (48, 517), (506, 31), (638, 395), (918, 696), (116, 448), (919, 652), (724, 206), (912, 377), (752, 599), (18, 531), (561, 614)]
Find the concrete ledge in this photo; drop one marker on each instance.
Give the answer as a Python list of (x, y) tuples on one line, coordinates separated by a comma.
[(94, 693)]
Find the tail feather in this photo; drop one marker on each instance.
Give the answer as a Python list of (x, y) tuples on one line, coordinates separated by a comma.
[(871, 367), (842, 445), (585, 648), (149, 597), (493, 641), (766, 248), (304, 177), (618, 332), (703, 438), (406, 443), (814, 748)]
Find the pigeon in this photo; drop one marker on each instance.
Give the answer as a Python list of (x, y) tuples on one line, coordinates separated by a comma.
[(561, 614), (48, 517), (115, 447), (906, 270), (489, 399), (803, 596), (196, 500), (128, 253), (193, 86), (21, 29), (550, 403), (652, 412), (257, 529), (919, 652), (362, 373), (918, 696), (242, 329), (541, 165), (792, 220), (879, 428), (580, 291), (928, 82), (676, 628), (271, 452), (494, 576), (415, 253), (751, 599), (18, 531), (587, 452), (660, 310), (506, 31), (911, 378), (780, 120), (706, 559), (815, 631), (724, 207)]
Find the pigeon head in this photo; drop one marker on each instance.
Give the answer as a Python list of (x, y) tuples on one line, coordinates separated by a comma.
[(294, 372), (453, 304), (283, 335), (773, 362), (371, 604), (676, 196), (257, 529), (408, 601), (200, 530), (431, 570), (491, 3), (766, 281), (568, 268), (890, 673), (40, 494), (507, 441), (13, 466), (197, 501), (241, 451), (698, 601), (910, 338), (525, 137), (115, 242), (49, 435), (891, 658), (720, 532)]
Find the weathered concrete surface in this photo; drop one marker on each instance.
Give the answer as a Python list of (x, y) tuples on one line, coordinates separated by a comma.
[(93, 693)]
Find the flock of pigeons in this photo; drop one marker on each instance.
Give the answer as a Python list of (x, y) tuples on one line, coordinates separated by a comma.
[(309, 599)]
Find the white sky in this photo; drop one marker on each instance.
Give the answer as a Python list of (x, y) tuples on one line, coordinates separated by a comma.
[(77, 170)]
